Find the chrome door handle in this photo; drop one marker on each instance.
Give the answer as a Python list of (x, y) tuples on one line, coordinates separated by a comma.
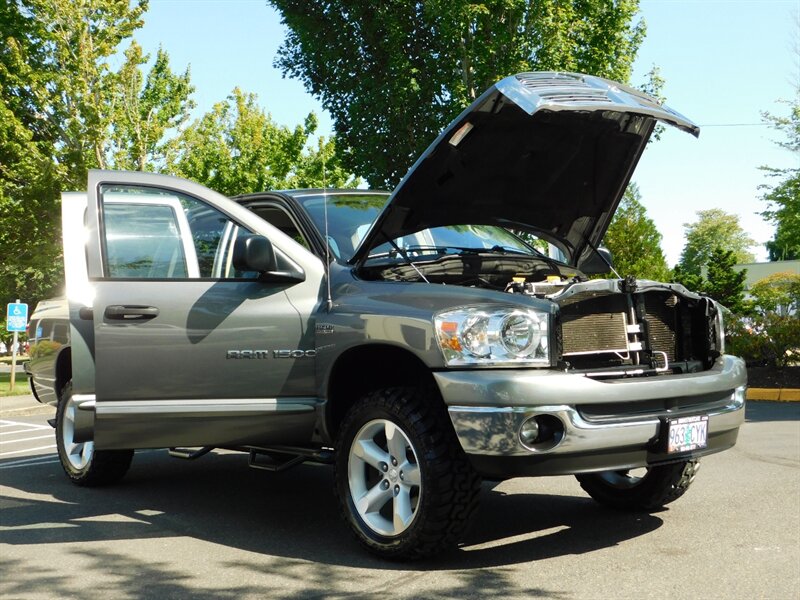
[(117, 312)]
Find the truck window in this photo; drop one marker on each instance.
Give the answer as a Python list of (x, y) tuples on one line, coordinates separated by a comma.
[(162, 234), (143, 241)]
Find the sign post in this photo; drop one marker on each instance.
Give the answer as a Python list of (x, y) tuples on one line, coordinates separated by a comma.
[(16, 321)]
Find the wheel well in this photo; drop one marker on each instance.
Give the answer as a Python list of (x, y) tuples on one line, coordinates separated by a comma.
[(63, 370), (367, 368)]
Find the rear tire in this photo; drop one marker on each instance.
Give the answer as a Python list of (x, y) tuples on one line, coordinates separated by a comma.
[(405, 487), (84, 465), (655, 489)]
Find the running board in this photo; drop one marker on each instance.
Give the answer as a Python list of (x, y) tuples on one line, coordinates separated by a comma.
[(190, 453), (282, 458)]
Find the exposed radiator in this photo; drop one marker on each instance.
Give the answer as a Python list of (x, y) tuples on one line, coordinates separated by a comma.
[(603, 332), (661, 323)]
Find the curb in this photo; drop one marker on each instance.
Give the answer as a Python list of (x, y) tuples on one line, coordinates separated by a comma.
[(774, 395)]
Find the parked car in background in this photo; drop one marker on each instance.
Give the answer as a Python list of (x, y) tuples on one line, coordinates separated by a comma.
[(48, 349), (411, 339)]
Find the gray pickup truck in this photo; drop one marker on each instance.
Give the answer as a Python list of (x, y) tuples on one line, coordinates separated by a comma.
[(418, 340)]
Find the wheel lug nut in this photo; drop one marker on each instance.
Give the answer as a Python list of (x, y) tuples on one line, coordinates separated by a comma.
[(384, 467), (385, 484), (396, 490), (394, 461), (401, 475)]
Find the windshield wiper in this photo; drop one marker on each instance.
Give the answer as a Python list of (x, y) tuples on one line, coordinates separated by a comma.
[(496, 249), (423, 251), (510, 250)]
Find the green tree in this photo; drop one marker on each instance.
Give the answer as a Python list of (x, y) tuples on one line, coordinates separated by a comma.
[(319, 166), (78, 38), (393, 74), (145, 109), (723, 283), (237, 148), (691, 281), (64, 110), (771, 334), (783, 198), (634, 240), (713, 228), (778, 293), (29, 175)]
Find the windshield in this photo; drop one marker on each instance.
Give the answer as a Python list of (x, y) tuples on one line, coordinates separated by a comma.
[(351, 215), (349, 218)]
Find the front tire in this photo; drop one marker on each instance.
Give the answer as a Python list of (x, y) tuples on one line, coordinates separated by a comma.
[(653, 490), (84, 465), (405, 486)]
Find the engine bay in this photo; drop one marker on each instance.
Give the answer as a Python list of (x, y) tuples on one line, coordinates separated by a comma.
[(605, 328)]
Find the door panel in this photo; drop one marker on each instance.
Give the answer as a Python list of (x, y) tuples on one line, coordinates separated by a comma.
[(188, 351)]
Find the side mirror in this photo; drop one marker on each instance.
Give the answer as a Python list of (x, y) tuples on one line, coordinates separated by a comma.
[(255, 253), (597, 263)]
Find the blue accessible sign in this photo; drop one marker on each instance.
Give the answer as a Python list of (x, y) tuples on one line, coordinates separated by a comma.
[(17, 317)]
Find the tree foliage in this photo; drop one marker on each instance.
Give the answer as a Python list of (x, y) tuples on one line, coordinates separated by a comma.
[(393, 74), (771, 334), (783, 198), (145, 109), (29, 175), (237, 148), (78, 39), (713, 228), (54, 117), (778, 293), (723, 283), (66, 108), (691, 281), (634, 240)]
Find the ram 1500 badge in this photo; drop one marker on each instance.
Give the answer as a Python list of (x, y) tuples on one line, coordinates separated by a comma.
[(415, 339)]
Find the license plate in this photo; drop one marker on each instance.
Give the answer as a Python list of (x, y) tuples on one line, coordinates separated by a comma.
[(687, 433)]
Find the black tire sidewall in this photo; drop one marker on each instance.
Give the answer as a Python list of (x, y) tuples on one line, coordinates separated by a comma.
[(74, 474), (350, 428), (104, 466), (449, 486), (661, 485)]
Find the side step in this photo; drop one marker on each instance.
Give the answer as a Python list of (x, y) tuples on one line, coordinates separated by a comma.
[(281, 458), (190, 453)]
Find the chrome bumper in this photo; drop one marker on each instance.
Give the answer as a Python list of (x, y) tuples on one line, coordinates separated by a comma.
[(494, 405), (495, 431)]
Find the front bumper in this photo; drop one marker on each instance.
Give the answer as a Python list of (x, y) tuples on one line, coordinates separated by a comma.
[(607, 424)]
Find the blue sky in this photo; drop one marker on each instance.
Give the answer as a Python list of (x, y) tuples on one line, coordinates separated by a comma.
[(724, 61)]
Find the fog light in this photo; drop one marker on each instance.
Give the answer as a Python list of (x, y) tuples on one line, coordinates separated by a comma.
[(529, 432), (541, 432)]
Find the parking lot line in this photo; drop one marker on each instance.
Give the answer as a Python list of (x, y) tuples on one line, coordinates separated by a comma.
[(38, 437), (26, 450), (4, 423)]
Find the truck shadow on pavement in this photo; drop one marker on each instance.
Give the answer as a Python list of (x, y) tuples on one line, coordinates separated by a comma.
[(220, 500), (290, 518)]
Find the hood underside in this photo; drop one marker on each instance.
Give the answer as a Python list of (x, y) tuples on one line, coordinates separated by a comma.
[(549, 153)]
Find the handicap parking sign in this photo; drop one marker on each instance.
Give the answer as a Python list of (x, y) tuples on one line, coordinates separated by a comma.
[(17, 317)]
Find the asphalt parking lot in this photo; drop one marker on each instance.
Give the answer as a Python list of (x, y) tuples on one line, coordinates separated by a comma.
[(214, 528)]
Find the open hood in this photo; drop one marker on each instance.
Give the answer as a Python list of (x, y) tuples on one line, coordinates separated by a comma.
[(549, 153)]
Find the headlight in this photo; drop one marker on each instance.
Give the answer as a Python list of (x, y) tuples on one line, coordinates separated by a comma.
[(491, 336)]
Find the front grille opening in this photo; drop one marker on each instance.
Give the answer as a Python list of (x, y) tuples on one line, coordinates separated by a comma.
[(608, 412), (635, 334)]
